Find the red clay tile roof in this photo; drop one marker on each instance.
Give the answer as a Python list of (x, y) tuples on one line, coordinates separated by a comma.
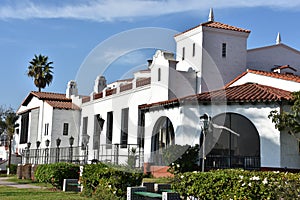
[(284, 67), (287, 77), (217, 25), (63, 105), (56, 100), (45, 96), (249, 92)]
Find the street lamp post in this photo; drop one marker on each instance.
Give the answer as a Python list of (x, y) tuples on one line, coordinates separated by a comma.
[(28, 151), (37, 152), (57, 149), (71, 141), (85, 141), (47, 142), (205, 120)]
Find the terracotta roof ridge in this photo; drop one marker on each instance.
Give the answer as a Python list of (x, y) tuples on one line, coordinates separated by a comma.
[(37, 92), (247, 92), (218, 25)]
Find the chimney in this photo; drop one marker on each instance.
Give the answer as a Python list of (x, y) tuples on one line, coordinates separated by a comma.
[(71, 89), (100, 84)]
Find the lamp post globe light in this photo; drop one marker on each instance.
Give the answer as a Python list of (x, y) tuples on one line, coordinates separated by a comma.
[(58, 140), (38, 143), (28, 145), (71, 141), (204, 121), (47, 142)]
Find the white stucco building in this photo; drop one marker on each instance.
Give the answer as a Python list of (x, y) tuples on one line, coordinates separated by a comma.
[(161, 105)]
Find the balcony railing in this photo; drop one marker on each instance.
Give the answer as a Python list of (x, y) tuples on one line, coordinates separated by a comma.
[(142, 82), (111, 91), (126, 87)]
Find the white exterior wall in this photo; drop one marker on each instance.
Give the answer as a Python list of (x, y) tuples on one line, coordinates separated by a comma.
[(269, 81), (127, 99), (266, 57), (159, 89), (186, 40), (187, 128), (182, 83), (72, 117), (217, 70)]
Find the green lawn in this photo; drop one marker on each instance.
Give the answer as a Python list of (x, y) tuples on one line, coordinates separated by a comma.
[(28, 181), (10, 193)]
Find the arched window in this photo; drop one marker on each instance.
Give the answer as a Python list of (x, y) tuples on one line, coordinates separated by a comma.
[(162, 137), (232, 151), (159, 74)]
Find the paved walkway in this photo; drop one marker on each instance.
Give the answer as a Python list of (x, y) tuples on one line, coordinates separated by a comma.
[(4, 181)]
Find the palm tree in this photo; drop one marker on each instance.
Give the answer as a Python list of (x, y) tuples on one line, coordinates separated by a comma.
[(41, 71), (8, 119)]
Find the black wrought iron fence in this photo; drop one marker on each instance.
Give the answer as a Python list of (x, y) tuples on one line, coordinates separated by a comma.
[(131, 155), (243, 162)]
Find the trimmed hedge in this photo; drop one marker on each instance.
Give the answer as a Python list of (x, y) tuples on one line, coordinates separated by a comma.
[(56, 173), (238, 184), (97, 178), (13, 168)]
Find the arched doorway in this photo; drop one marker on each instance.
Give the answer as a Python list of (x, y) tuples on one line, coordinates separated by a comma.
[(230, 150), (162, 137)]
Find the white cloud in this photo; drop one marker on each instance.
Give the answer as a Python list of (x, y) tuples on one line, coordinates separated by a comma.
[(109, 10)]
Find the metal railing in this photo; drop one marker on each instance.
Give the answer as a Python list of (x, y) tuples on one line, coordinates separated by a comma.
[(132, 155), (222, 162)]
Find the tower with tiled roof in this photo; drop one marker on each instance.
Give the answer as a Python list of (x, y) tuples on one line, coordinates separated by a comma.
[(217, 51)]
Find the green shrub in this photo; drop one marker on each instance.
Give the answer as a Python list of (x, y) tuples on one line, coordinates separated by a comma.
[(181, 158), (13, 168), (56, 173), (238, 184), (117, 178)]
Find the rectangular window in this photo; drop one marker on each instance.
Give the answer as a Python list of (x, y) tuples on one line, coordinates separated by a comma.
[(84, 126), (183, 53), (97, 132), (159, 74), (141, 129), (66, 129), (194, 49), (46, 131), (124, 128), (223, 50), (24, 128), (109, 129)]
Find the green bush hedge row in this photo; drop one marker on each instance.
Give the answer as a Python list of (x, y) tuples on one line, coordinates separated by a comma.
[(13, 168), (238, 184), (103, 181), (56, 173)]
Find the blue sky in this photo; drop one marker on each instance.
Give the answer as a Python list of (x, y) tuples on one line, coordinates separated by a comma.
[(67, 31)]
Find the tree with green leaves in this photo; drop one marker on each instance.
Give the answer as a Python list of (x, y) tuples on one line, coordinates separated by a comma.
[(8, 119), (41, 71), (288, 120)]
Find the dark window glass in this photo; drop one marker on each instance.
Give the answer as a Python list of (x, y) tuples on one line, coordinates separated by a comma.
[(124, 128), (66, 129)]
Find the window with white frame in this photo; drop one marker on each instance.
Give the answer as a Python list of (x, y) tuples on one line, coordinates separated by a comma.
[(66, 129), (46, 132)]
